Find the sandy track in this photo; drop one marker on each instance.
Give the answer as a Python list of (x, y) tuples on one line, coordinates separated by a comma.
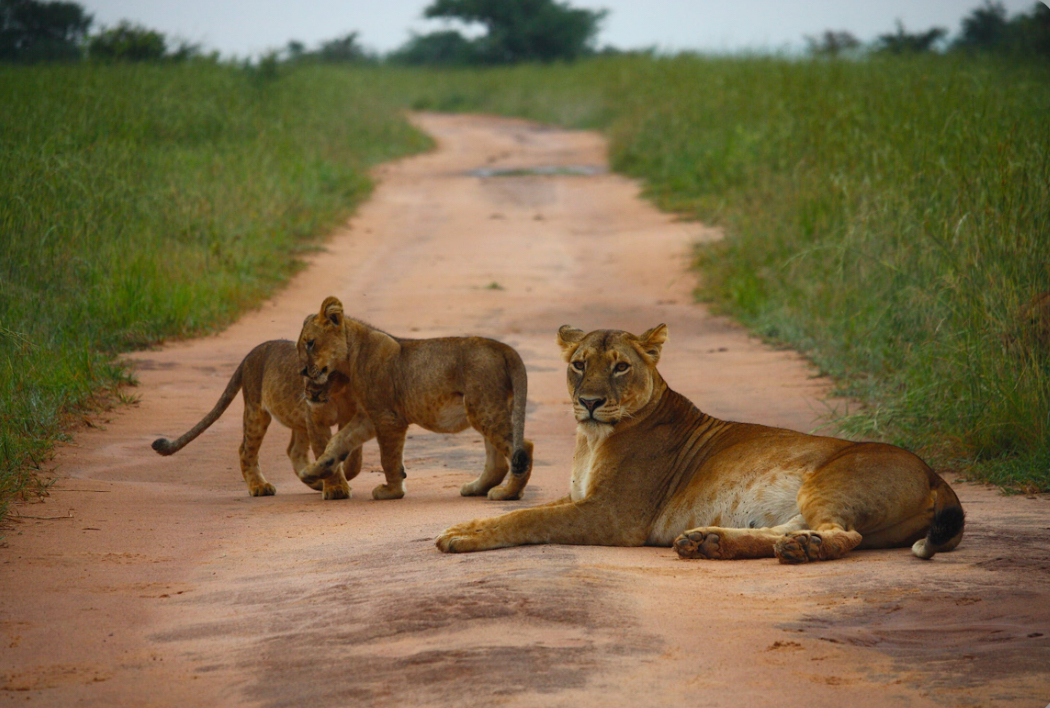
[(168, 585)]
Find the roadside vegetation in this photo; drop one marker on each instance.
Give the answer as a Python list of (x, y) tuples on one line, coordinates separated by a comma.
[(144, 201), (887, 217)]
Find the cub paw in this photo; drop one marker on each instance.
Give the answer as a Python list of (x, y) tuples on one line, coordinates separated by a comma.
[(504, 493), (472, 489), (336, 491), (700, 543), (384, 491), (799, 547), (262, 490)]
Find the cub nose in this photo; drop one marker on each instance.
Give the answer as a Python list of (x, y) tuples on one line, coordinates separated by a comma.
[(591, 404)]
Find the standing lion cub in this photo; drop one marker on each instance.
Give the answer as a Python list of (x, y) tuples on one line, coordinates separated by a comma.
[(269, 379), (445, 385), (650, 468)]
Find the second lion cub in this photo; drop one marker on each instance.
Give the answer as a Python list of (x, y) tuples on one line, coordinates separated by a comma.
[(445, 385)]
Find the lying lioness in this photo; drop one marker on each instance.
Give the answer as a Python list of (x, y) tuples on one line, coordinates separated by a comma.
[(269, 378), (650, 468), (445, 385)]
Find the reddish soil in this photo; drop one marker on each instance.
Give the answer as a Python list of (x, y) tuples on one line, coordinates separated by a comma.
[(159, 581)]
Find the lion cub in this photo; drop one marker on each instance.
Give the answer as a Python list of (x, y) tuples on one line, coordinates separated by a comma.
[(445, 385), (650, 468), (269, 378)]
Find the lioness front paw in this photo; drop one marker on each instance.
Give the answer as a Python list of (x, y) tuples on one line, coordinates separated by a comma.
[(461, 538), (262, 490), (384, 491), (700, 543), (799, 547)]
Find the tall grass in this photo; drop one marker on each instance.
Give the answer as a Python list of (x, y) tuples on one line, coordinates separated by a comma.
[(890, 218), (140, 202)]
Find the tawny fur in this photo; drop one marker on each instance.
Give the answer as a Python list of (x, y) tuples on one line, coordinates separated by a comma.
[(272, 388), (650, 468), (445, 385)]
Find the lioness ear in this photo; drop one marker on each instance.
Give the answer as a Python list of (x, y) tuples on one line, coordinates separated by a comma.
[(332, 310), (652, 341), (568, 339)]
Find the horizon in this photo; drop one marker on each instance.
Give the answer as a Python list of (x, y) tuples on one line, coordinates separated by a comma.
[(242, 29)]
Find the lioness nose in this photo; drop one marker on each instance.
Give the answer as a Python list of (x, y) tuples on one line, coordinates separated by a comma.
[(591, 404)]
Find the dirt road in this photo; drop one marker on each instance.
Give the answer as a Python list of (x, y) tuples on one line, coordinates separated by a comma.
[(158, 581)]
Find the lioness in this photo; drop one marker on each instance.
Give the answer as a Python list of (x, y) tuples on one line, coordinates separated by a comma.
[(269, 378), (650, 468), (445, 385)]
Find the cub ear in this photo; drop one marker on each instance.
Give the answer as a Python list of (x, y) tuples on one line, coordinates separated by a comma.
[(568, 339), (652, 341), (332, 310)]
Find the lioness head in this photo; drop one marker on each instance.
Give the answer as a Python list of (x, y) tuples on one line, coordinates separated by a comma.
[(322, 344), (612, 374)]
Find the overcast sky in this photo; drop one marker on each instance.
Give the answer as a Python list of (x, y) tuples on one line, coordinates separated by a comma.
[(248, 27)]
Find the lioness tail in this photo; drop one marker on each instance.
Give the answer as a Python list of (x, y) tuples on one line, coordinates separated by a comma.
[(163, 446), (521, 457), (946, 526)]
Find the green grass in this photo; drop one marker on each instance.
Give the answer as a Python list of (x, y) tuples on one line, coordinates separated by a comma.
[(890, 218), (143, 202)]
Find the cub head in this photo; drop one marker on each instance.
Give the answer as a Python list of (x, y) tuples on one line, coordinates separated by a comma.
[(612, 374), (322, 345)]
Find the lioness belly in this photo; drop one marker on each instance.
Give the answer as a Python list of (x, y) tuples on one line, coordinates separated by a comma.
[(755, 501)]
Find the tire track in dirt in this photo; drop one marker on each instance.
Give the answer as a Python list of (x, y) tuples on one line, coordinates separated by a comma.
[(169, 585)]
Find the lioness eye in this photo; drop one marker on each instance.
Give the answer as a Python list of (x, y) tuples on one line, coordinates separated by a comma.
[(621, 367), (578, 365), (309, 343)]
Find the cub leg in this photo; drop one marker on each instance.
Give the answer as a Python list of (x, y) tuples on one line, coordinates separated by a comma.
[(256, 420), (342, 445), (391, 441), (298, 453), (318, 436), (718, 543), (499, 437), (496, 468)]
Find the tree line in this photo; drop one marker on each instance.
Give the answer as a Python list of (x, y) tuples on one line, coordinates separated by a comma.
[(514, 31)]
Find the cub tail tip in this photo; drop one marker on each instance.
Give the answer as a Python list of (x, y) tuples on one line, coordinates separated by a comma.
[(163, 446)]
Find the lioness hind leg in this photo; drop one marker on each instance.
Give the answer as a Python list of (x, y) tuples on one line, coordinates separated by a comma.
[(514, 485), (719, 543), (256, 420), (826, 543)]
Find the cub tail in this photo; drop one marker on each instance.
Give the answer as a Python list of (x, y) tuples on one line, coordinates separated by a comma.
[(166, 447), (946, 526), (521, 456)]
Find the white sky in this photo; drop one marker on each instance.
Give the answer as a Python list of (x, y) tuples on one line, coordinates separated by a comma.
[(248, 27)]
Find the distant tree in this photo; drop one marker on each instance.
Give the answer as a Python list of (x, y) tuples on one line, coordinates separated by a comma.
[(33, 31), (342, 49), (127, 42), (437, 48), (902, 42), (985, 28), (1030, 33), (832, 43), (295, 50), (524, 30)]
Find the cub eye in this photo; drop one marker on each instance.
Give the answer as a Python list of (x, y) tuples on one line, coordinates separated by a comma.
[(309, 344), (621, 367), (578, 365)]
